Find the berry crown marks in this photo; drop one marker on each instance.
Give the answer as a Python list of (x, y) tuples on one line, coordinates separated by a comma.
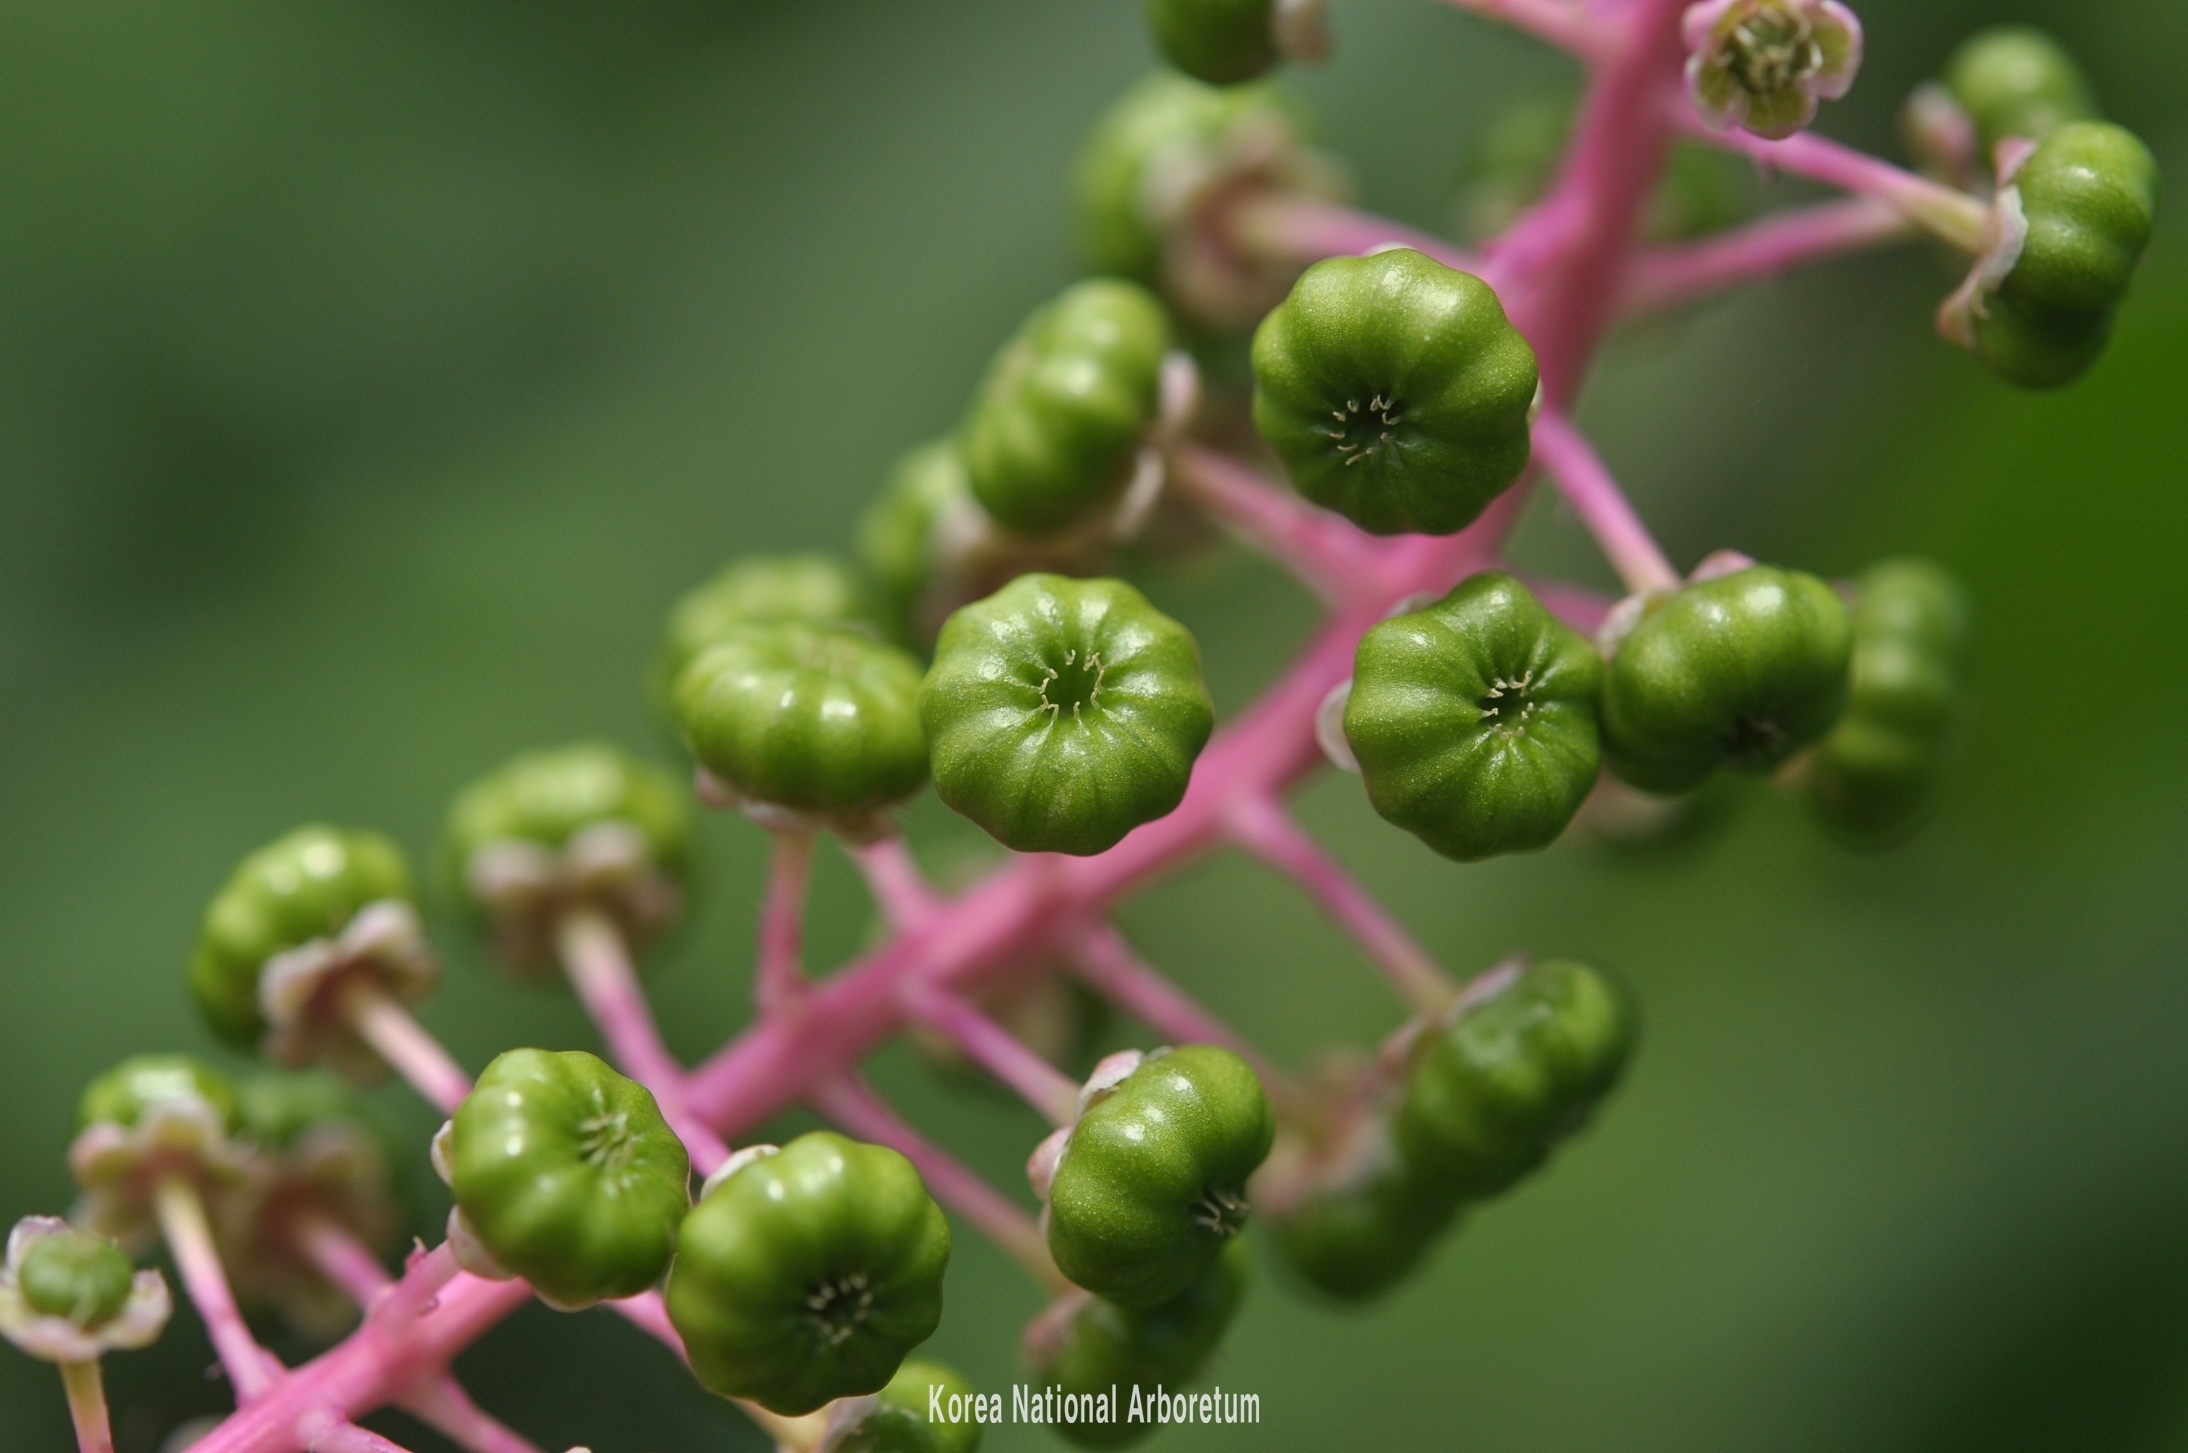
[(1367, 405)]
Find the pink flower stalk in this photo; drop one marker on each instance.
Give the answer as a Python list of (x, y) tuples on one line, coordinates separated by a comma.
[(1763, 65)]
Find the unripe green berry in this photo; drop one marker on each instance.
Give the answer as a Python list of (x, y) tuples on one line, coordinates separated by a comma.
[(1151, 1183), (1742, 670), (1474, 720), (899, 1421), (817, 719), (124, 1094), (1395, 391), (1100, 1348), (1066, 405), (1064, 713), (73, 1274), (815, 588), (586, 826), (565, 1171), (277, 1108), (1873, 776), (1157, 164), (1492, 1089), (306, 886), (2014, 80), (808, 1274), (901, 539), (1221, 42), (1354, 1242)]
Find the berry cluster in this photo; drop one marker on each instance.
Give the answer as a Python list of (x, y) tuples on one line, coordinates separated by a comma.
[(1407, 391)]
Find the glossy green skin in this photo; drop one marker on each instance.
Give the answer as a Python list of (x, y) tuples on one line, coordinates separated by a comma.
[(2014, 80), (898, 1424), (1163, 119), (1454, 379), (307, 885), (827, 1218), (549, 797), (1152, 1183), (2090, 194), (1743, 670), (896, 535), (1221, 42), (1490, 1092), (1044, 756), (125, 1092), (1066, 404), (816, 588), (76, 1275), (1167, 1345), (1873, 777), (1474, 720), (569, 1175), (1356, 1243), (817, 718)]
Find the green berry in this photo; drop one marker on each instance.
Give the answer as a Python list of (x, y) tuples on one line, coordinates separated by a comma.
[(1151, 1183), (1221, 42), (1395, 391), (1873, 776), (582, 826), (75, 1275), (565, 1171), (903, 538), (815, 588), (807, 1275), (899, 1422), (818, 719), (305, 887), (1103, 1349), (1492, 1089), (2014, 80), (277, 1108), (1066, 405), (1742, 670), (1474, 720), (1064, 713), (1168, 137), (124, 1094), (1356, 1241)]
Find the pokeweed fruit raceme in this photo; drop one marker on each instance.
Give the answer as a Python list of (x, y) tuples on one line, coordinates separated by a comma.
[(1366, 405)]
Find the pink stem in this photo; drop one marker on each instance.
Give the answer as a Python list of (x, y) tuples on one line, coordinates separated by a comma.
[(85, 1385), (1306, 229), (1949, 213), (335, 1436), (778, 981), (1267, 831), (1107, 963), (598, 961), (1565, 24), (900, 890), (442, 1404), (404, 1043), (342, 1259), (996, 1050), (1321, 548), (181, 1211), (1668, 277), (1602, 505), (418, 1294), (853, 1105)]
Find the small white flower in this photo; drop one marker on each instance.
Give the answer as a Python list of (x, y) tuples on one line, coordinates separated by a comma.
[(1764, 64), (63, 1339)]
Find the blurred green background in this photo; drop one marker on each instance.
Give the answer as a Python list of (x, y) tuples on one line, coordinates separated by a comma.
[(374, 372)]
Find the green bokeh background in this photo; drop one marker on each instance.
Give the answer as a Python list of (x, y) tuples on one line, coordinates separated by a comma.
[(374, 372)]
